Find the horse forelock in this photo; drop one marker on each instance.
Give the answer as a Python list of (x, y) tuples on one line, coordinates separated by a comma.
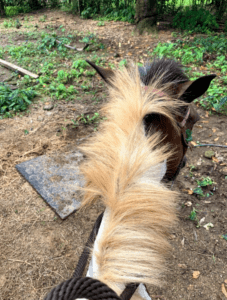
[(169, 70)]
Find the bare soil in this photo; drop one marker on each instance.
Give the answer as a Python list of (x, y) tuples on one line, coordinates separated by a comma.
[(38, 250)]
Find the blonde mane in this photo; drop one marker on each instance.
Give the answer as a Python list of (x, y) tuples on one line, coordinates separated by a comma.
[(123, 169)]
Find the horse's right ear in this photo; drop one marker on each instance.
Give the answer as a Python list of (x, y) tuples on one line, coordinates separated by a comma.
[(106, 74), (190, 90)]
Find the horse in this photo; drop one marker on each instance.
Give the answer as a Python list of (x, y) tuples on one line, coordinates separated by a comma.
[(171, 79), (141, 142)]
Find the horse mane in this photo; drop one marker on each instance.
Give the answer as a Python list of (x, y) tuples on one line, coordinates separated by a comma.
[(123, 167), (168, 70)]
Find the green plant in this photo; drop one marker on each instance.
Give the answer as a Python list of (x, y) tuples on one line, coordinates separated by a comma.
[(60, 91), (88, 13), (14, 101), (93, 42), (87, 119), (8, 24), (101, 23), (224, 236), (43, 18), (193, 215), (11, 11), (195, 51), (78, 67), (195, 20), (205, 181), (48, 42), (63, 76), (198, 191), (123, 62)]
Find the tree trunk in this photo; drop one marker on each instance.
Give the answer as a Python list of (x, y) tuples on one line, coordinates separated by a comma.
[(2, 10), (146, 14), (145, 9)]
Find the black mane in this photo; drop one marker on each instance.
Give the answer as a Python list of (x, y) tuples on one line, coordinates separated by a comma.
[(169, 70)]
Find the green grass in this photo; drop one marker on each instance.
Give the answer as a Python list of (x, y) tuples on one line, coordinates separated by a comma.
[(14, 101), (64, 73)]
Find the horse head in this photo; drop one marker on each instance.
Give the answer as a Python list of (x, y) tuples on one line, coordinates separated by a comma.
[(177, 86)]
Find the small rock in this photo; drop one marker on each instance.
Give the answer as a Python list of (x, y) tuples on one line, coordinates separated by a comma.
[(224, 171), (209, 154), (196, 274), (199, 162), (183, 266), (116, 55), (48, 106), (40, 118)]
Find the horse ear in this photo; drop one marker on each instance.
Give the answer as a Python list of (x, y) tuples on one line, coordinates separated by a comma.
[(106, 74), (190, 90)]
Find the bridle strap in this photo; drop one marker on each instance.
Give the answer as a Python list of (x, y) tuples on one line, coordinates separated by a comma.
[(183, 122)]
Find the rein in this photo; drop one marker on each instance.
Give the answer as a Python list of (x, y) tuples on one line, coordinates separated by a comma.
[(86, 287)]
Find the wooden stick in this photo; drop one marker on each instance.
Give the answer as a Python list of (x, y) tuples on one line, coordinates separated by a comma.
[(16, 68), (73, 48)]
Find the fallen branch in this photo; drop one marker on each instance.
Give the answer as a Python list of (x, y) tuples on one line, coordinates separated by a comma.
[(73, 48), (213, 145), (13, 67)]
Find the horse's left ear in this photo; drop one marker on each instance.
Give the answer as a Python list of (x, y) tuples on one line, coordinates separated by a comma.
[(190, 90), (106, 74)]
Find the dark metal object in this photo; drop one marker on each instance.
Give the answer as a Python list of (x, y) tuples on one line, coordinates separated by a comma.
[(56, 179)]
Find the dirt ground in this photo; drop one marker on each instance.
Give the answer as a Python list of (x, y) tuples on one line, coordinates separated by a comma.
[(38, 250)]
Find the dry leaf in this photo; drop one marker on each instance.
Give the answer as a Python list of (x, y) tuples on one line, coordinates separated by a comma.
[(207, 202), (202, 220), (129, 53), (212, 108), (208, 225), (223, 289), (193, 143), (205, 121), (207, 114), (203, 68), (214, 159), (190, 192), (216, 139), (195, 274), (214, 129)]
